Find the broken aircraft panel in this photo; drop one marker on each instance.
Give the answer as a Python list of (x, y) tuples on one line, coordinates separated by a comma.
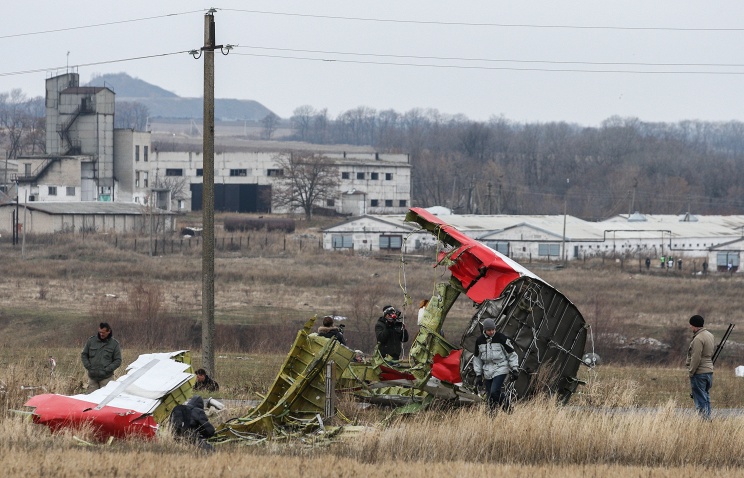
[(548, 331), (134, 404), (298, 395)]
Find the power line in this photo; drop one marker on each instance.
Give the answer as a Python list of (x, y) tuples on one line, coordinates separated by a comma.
[(496, 68), (96, 25), (485, 24), (494, 60), (105, 62)]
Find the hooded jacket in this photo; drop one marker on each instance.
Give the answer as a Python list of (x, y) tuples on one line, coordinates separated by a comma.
[(390, 337), (101, 357), (494, 356), (199, 419), (331, 332), (700, 353)]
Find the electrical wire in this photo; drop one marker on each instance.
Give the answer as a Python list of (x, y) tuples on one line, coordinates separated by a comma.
[(492, 60), (104, 62), (96, 25), (495, 68), (484, 24)]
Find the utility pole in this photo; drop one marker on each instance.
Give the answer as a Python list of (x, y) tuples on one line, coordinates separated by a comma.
[(489, 197), (208, 190), (565, 211)]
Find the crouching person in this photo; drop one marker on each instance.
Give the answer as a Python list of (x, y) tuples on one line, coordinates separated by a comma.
[(189, 423)]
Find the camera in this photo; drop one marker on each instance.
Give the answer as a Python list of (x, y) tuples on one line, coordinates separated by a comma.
[(341, 326)]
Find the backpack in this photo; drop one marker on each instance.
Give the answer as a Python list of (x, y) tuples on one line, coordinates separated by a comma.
[(180, 420)]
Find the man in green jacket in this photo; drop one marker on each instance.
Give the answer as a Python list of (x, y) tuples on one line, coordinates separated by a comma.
[(101, 356), (700, 365)]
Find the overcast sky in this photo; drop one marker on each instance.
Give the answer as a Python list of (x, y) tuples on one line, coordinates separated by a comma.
[(578, 61)]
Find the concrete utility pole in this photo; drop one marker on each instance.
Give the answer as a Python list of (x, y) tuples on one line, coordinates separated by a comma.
[(208, 191), (208, 198)]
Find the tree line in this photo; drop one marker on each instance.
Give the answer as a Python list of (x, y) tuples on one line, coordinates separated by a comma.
[(502, 166)]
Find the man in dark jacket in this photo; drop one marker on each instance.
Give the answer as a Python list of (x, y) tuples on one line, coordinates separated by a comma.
[(101, 356), (391, 333), (190, 422), (205, 382)]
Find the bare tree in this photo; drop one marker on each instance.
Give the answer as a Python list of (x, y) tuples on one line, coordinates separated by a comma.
[(307, 179), (18, 121), (178, 185), (270, 123), (301, 120), (131, 115)]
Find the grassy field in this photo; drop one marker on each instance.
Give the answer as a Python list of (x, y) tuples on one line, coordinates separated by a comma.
[(630, 419)]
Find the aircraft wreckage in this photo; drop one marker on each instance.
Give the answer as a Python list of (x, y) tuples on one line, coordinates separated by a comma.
[(547, 330)]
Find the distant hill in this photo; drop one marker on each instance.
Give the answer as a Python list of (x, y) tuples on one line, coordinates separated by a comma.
[(165, 104)]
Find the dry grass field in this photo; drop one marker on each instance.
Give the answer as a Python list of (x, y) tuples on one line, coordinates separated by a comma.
[(630, 420)]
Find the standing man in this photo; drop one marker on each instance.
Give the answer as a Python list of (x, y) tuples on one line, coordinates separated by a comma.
[(700, 365), (391, 333), (494, 358), (101, 356)]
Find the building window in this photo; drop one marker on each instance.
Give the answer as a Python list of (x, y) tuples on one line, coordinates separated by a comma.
[(374, 203), (360, 175), (374, 176), (346, 175), (144, 179), (145, 151), (342, 241), (391, 242), (274, 173), (502, 247), (199, 172), (402, 203), (52, 190), (549, 250), (136, 152), (27, 169), (388, 203), (136, 179), (70, 190), (238, 172), (330, 202), (174, 172), (388, 176)]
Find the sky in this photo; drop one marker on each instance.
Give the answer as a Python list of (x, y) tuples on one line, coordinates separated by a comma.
[(527, 61)]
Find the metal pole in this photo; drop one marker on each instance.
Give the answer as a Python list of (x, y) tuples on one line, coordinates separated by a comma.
[(208, 198), (330, 390), (23, 243)]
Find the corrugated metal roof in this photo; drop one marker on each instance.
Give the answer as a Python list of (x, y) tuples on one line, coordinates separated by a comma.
[(90, 207), (577, 229)]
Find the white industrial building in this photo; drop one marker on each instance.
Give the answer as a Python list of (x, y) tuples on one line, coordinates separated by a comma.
[(87, 160), (369, 183), (80, 217), (716, 240)]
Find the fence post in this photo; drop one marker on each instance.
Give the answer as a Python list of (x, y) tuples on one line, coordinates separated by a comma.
[(330, 391)]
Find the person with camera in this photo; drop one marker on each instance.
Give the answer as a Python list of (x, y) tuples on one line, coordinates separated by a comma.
[(391, 333), (493, 359), (328, 330)]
